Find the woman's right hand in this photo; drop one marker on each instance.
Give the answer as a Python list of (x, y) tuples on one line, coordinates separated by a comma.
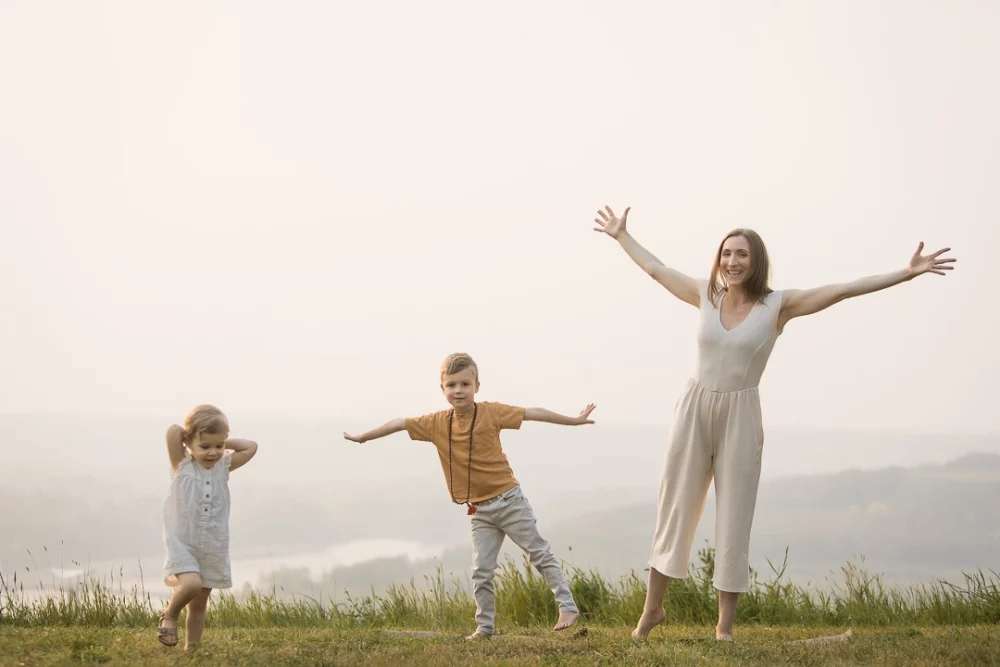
[(681, 286), (609, 223)]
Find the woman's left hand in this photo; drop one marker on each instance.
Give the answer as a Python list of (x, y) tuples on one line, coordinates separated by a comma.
[(929, 263)]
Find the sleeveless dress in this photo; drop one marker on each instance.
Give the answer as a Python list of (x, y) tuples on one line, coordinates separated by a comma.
[(196, 522), (717, 432)]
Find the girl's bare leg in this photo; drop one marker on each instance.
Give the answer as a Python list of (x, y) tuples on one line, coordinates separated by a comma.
[(196, 618), (184, 592)]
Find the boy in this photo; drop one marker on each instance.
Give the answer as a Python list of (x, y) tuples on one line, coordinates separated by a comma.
[(467, 438)]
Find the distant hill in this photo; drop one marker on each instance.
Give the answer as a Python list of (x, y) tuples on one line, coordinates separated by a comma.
[(593, 490), (909, 524)]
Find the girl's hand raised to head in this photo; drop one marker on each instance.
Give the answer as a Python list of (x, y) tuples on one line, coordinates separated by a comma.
[(176, 436), (609, 223), (929, 263)]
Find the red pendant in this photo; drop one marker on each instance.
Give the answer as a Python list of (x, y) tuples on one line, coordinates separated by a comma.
[(471, 510)]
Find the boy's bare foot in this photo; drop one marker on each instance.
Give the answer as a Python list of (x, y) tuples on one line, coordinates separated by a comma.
[(566, 619), (478, 634), (648, 621)]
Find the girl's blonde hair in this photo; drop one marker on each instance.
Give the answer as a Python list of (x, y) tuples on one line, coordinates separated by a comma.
[(756, 286), (205, 419), (458, 362)]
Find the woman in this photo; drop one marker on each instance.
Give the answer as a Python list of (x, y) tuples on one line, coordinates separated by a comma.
[(717, 429)]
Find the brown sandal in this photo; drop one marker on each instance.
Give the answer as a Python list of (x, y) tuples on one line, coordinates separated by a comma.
[(166, 636)]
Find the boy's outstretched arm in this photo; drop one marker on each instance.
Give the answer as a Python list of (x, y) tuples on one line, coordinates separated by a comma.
[(243, 451), (388, 428), (543, 415)]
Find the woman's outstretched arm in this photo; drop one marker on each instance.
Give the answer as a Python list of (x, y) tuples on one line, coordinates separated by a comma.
[(682, 286), (798, 303)]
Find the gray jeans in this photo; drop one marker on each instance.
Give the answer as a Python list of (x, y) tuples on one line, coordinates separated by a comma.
[(510, 515)]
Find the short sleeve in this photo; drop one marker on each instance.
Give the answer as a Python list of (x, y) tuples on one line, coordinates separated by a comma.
[(421, 428), (507, 416)]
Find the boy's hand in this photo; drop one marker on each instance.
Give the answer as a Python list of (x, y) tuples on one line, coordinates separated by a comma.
[(388, 428), (585, 413), (543, 415)]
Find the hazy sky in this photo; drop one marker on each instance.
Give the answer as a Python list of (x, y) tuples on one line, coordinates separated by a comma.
[(298, 209)]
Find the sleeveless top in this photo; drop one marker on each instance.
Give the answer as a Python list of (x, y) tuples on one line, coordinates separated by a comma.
[(735, 360), (196, 509)]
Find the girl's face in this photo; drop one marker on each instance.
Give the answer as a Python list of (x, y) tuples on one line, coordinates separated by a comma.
[(207, 448)]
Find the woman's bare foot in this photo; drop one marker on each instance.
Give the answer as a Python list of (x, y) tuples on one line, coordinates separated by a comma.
[(721, 636), (478, 634), (648, 621), (566, 619)]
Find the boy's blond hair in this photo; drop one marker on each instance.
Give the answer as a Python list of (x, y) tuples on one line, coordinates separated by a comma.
[(458, 362), (205, 419)]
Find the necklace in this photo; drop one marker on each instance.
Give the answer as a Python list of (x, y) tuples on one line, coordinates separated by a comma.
[(451, 482)]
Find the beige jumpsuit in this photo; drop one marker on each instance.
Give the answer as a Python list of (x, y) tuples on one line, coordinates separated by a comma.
[(717, 432)]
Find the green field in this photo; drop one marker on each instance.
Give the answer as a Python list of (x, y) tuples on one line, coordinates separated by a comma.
[(937, 623), (676, 645)]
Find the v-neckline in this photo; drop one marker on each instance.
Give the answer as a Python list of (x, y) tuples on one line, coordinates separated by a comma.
[(745, 318)]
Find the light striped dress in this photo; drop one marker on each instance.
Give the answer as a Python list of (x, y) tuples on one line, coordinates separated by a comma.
[(196, 522)]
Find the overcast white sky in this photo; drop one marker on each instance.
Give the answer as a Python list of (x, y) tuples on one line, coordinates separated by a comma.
[(296, 209)]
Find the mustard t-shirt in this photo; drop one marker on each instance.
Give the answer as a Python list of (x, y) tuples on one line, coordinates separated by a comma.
[(491, 473)]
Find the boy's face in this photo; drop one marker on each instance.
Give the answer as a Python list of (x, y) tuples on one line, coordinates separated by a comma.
[(460, 388)]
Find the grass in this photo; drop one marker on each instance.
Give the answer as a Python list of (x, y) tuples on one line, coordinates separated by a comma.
[(674, 645), (98, 621)]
